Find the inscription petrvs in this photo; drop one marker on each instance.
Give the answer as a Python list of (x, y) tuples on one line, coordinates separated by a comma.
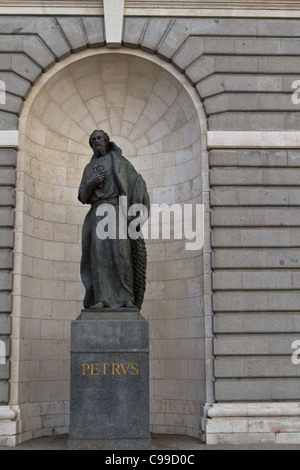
[(110, 368)]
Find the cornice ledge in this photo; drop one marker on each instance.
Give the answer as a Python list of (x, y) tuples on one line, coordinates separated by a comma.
[(175, 8)]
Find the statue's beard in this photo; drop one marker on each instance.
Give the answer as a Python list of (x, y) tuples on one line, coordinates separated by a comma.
[(100, 150)]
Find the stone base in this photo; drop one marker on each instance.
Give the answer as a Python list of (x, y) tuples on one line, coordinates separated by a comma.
[(109, 444), (251, 423), (109, 406), (9, 425)]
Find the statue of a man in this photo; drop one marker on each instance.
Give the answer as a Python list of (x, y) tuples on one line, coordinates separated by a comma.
[(113, 269)]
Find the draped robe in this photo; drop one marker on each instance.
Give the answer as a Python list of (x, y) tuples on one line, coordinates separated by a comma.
[(107, 265)]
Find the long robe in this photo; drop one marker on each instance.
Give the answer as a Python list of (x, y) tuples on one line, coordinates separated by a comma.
[(107, 265)]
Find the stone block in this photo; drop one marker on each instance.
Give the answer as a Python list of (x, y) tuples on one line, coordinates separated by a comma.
[(255, 196), (8, 157), (240, 83), (265, 196), (51, 329), (182, 29), (228, 367), (239, 217), (241, 301), (287, 438), (11, 43), (200, 69), (73, 31), (227, 280), (5, 371), (4, 393), (242, 389), (156, 28), (224, 196), (5, 61), (24, 24), (255, 237), (5, 324), (74, 290), (6, 217), (7, 176), (254, 280), (109, 406), (228, 425), (262, 389), (259, 46), (282, 300), (94, 31), (6, 259), (13, 104), (191, 50), (7, 238), (5, 280), (53, 250), (133, 30), (5, 302), (278, 217), (240, 439), (25, 67), (277, 28), (233, 345), (274, 366), (164, 348), (8, 121), (237, 176), (36, 49), (278, 101), (225, 238), (282, 344), (251, 121), (177, 34), (7, 196), (166, 389), (50, 33), (281, 176), (233, 102), (257, 323), (293, 158)]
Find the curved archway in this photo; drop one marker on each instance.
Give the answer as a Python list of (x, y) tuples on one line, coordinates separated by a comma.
[(150, 111)]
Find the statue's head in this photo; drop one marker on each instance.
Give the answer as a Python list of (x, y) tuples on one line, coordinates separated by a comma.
[(99, 141)]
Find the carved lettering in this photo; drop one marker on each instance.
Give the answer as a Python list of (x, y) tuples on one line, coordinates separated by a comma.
[(134, 368), (85, 367), (125, 370), (107, 368), (115, 368)]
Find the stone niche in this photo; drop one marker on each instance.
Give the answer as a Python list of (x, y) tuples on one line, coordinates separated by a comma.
[(150, 115)]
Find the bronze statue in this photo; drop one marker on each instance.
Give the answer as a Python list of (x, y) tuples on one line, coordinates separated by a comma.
[(113, 269)]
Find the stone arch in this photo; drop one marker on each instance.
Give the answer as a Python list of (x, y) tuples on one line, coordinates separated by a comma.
[(149, 109)]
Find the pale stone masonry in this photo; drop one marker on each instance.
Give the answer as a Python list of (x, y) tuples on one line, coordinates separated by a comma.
[(222, 319)]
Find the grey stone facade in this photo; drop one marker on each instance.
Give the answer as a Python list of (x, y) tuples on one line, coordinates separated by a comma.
[(256, 300), (7, 202), (243, 70)]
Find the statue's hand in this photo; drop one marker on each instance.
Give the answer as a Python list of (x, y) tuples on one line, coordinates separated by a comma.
[(97, 179)]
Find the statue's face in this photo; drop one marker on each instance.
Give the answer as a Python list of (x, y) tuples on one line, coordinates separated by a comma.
[(98, 143)]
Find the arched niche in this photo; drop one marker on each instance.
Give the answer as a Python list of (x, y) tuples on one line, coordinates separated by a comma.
[(149, 110)]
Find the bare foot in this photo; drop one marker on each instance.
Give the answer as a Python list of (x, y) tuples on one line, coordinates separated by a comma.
[(130, 304), (98, 305)]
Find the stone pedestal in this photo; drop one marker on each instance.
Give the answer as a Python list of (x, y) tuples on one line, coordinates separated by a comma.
[(109, 405)]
